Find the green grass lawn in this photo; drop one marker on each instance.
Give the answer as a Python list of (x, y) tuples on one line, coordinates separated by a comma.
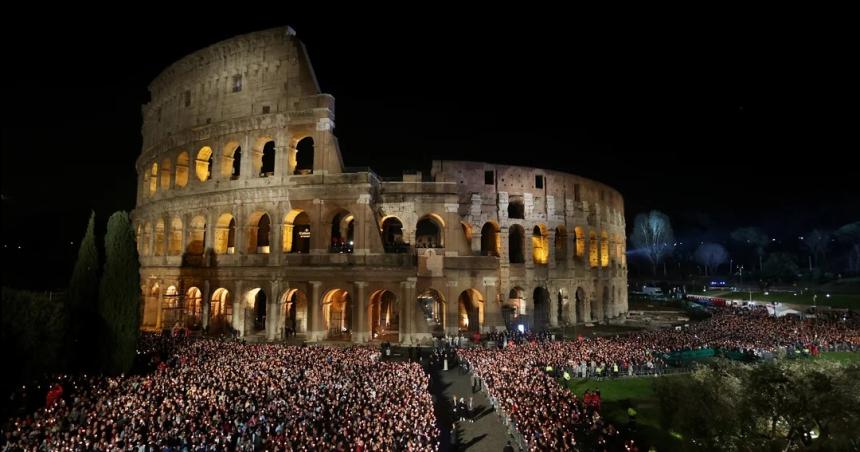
[(620, 394), (835, 300), (844, 357)]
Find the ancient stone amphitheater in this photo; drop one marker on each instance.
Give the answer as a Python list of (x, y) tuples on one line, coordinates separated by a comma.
[(248, 221)]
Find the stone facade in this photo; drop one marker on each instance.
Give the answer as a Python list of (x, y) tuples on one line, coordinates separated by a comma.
[(246, 218)]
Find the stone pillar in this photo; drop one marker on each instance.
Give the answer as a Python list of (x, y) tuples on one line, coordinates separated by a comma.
[(209, 235), (529, 248), (550, 244), (504, 246), (493, 320), (571, 249), (452, 316), (363, 230), (238, 320), (315, 328), (476, 242), (553, 306), (276, 250), (407, 325), (160, 312), (452, 229), (360, 329), (272, 311), (183, 237), (246, 166), (206, 304), (320, 238)]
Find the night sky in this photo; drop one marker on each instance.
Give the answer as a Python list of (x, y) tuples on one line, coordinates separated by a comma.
[(719, 125)]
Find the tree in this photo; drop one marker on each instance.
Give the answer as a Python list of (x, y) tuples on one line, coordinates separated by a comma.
[(781, 267), (818, 241), (652, 232), (710, 256), (82, 303), (754, 238), (119, 295), (850, 234)]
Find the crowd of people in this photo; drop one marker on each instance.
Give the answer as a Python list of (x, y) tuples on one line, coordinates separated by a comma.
[(518, 379), (224, 395)]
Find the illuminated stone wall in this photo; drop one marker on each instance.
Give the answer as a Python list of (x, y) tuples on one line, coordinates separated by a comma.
[(245, 238)]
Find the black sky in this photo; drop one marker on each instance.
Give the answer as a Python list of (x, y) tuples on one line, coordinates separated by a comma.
[(720, 124)]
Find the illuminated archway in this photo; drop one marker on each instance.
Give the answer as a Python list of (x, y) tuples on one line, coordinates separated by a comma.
[(174, 242), (231, 160), (342, 238), (225, 234), (540, 250), (592, 249), (604, 249), (166, 169), (560, 244), (159, 238), (470, 310), (256, 301), (147, 239), (392, 235), (259, 228), (541, 309), (182, 170), (196, 236), (294, 305), (490, 239), (193, 307), (336, 307), (383, 313), (297, 232), (431, 305), (153, 178), (429, 232), (305, 156), (203, 164), (220, 311)]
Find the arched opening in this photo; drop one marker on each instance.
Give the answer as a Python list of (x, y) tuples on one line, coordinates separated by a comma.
[(235, 161), (580, 242), (607, 303), (196, 236), (193, 308), (580, 305), (604, 249), (259, 228), (428, 232), (171, 311), (174, 243), (297, 232), (383, 313), (159, 238), (336, 314), (542, 308), (182, 169), (431, 305), (153, 178), (166, 169), (560, 244), (470, 313), (257, 309), (540, 250), (592, 250), (305, 156), (595, 304), (516, 239), (342, 232), (392, 236), (147, 239), (267, 167), (516, 209), (204, 164), (295, 312), (514, 307), (563, 307), (220, 311), (225, 234), (490, 239)]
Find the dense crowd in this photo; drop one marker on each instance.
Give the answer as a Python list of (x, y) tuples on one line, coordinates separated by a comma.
[(224, 395), (548, 416)]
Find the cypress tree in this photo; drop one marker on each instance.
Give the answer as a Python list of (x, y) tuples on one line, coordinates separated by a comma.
[(119, 295), (82, 302)]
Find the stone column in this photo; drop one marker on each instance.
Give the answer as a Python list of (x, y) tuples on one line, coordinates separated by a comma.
[(492, 309), (363, 230), (320, 237), (206, 304), (550, 245), (160, 312), (529, 248), (272, 311), (315, 329), (238, 320), (209, 235), (452, 316), (276, 251), (360, 329), (476, 242), (407, 325), (504, 246)]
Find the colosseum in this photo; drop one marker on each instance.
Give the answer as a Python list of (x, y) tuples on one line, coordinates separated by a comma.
[(248, 221)]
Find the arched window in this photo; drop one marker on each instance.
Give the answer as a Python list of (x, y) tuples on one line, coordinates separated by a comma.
[(268, 164), (431, 305), (159, 238), (182, 170), (580, 242), (428, 232), (165, 174), (470, 310), (174, 244), (592, 250), (560, 244), (516, 209), (153, 178), (196, 236), (297, 232), (342, 233), (232, 166), (516, 239), (490, 239), (225, 234), (305, 156), (540, 250), (604, 249), (392, 236), (147, 240), (258, 237), (204, 164)]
